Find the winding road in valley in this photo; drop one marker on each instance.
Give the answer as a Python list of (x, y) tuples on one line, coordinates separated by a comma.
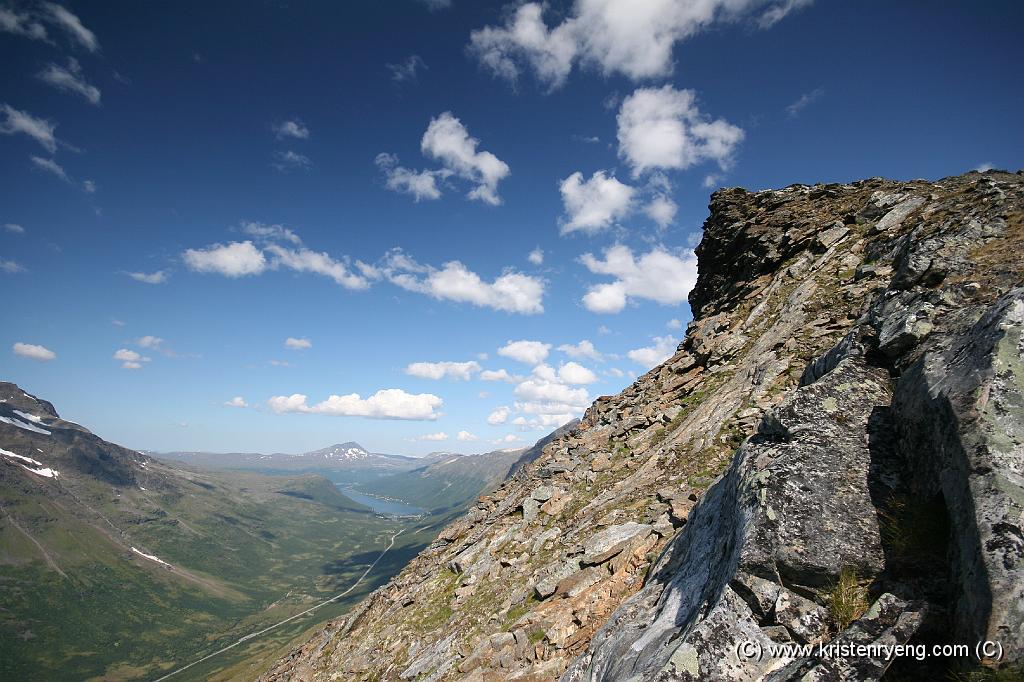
[(256, 634)]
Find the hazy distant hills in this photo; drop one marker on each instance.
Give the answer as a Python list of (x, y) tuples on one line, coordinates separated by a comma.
[(348, 456), (116, 564)]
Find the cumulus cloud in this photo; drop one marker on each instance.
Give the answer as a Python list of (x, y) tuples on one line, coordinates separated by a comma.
[(288, 161), (11, 267), (511, 292), (658, 276), (662, 348), (292, 343), (447, 141), (674, 324), (306, 260), (70, 79), (158, 277), (506, 439), (498, 375), (291, 129), (545, 391), (466, 436), (419, 184), (237, 259), (149, 342), (439, 436), (33, 352), (237, 401), (459, 371), (662, 210), (388, 403), (528, 352), (407, 71), (50, 166), (499, 416), (536, 257), (806, 99), (575, 373), (662, 128), (129, 359), (593, 205), (583, 349), (635, 39)]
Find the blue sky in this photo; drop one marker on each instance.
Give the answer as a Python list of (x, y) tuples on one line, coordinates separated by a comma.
[(419, 195)]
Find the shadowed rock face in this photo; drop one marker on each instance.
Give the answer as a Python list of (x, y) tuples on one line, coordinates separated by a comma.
[(833, 455)]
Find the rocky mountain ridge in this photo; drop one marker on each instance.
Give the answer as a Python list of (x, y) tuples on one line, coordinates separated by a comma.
[(833, 455)]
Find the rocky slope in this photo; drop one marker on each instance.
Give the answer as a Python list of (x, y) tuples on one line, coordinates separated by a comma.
[(833, 455)]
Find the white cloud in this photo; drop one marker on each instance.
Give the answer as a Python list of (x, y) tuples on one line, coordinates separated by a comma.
[(14, 227), (50, 166), (794, 109), (448, 141), (439, 436), (306, 260), (389, 403), (129, 359), (711, 180), (498, 375), (674, 324), (72, 25), (662, 210), (615, 372), (291, 129), (575, 373), (11, 267), (280, 363), (262, 231), (237, 259), (420, 184), (70, 79), (292, 343), (435, 5), (33, 352), (661, 350), (594, 204), (498, 416), (537, 390), (984, 167), (528, 352), (459, 371), (508, 438), (149, 342), (89, 186), (158, 277), (657, 276), (406, 71), (21, 23), (466, 436), (288, 161), (536, 257), (237, 401), (583, 349), (662, 128), (511, 292), (627, 37)]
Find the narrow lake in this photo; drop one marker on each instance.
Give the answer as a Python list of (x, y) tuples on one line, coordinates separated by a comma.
[(381, 506)]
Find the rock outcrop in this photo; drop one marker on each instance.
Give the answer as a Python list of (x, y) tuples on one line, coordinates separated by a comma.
[(833, 456)]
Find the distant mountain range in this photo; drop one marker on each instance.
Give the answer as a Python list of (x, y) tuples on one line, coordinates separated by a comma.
[(113, 562), (341, 456)]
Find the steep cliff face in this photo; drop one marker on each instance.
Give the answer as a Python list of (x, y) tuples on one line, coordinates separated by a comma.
[(834, 454)]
